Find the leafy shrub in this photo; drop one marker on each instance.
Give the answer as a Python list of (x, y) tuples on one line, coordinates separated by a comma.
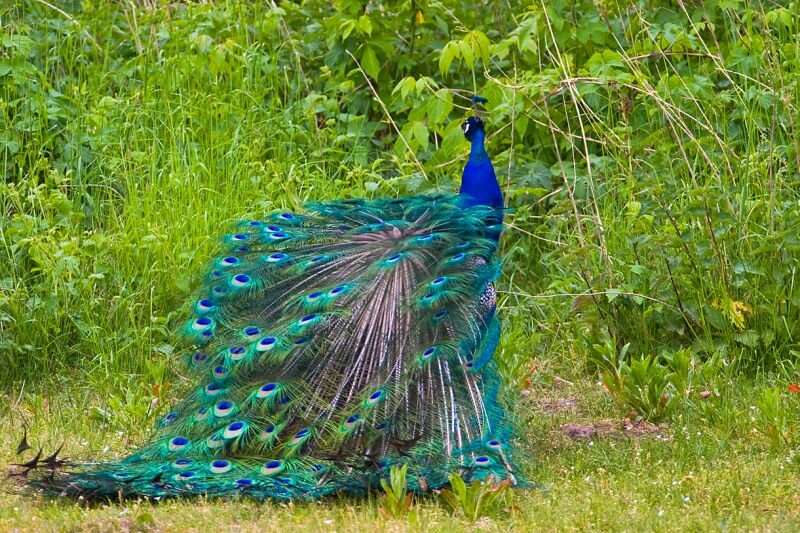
[(654, 386), (776, 418), (478, 499), (650, 153), (396, 501)]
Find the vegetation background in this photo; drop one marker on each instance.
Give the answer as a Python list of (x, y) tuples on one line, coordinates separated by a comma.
[(650, 154)]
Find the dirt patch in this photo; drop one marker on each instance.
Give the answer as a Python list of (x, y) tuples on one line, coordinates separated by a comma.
[(559, 405), (610, 429), (549, 405)]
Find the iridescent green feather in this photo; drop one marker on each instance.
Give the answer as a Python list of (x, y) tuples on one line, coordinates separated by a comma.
[(325, 348)]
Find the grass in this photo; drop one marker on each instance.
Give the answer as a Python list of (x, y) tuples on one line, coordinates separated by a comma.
[(669, 478), (651, 158)]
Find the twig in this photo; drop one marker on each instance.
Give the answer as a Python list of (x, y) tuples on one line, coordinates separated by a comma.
[(388, 115), (133, 24), (16, 404), (513, 123), (287, 35), (513, 226), (72, 19), (589, 293), (678, 296)]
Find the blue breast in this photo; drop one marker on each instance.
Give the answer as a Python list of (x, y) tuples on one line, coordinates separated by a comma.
[(479, 184)]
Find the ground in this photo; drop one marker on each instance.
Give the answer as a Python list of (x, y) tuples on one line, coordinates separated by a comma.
[(594, 469)]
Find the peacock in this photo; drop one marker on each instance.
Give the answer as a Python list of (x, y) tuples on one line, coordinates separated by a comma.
[(328, 346)]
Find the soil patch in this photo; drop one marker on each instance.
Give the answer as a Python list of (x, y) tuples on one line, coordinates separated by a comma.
[(605, 429)]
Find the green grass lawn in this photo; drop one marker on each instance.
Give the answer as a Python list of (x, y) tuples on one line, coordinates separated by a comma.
[(649, 154), (672, 477)]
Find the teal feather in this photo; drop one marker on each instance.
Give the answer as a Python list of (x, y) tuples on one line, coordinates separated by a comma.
[(326, 347)]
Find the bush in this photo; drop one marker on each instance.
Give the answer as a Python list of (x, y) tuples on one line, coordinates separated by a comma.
[(649, 153)]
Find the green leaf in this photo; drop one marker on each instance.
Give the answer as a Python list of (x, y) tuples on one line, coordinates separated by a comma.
[(749, 338), (607, 63), (12, 145), (466, 53), (459, 487), (440, 106), (346, 28), (729, 4), (446, 56), (365, 24), (612, 294), (478, 44), (99, 414), (405, 86), (452, 140), (521, 125), (370, 64), (450, 499), (420, 132)]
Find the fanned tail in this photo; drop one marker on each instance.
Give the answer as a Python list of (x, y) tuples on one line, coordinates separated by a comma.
[(330, 346)]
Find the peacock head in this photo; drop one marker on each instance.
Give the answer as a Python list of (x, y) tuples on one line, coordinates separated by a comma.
[(471, 126)]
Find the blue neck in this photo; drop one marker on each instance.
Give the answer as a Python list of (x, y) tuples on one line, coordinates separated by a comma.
[(479, 182), (477, 151)]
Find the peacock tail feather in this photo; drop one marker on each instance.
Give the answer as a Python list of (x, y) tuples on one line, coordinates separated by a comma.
[(326, 347), (329, 346)]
